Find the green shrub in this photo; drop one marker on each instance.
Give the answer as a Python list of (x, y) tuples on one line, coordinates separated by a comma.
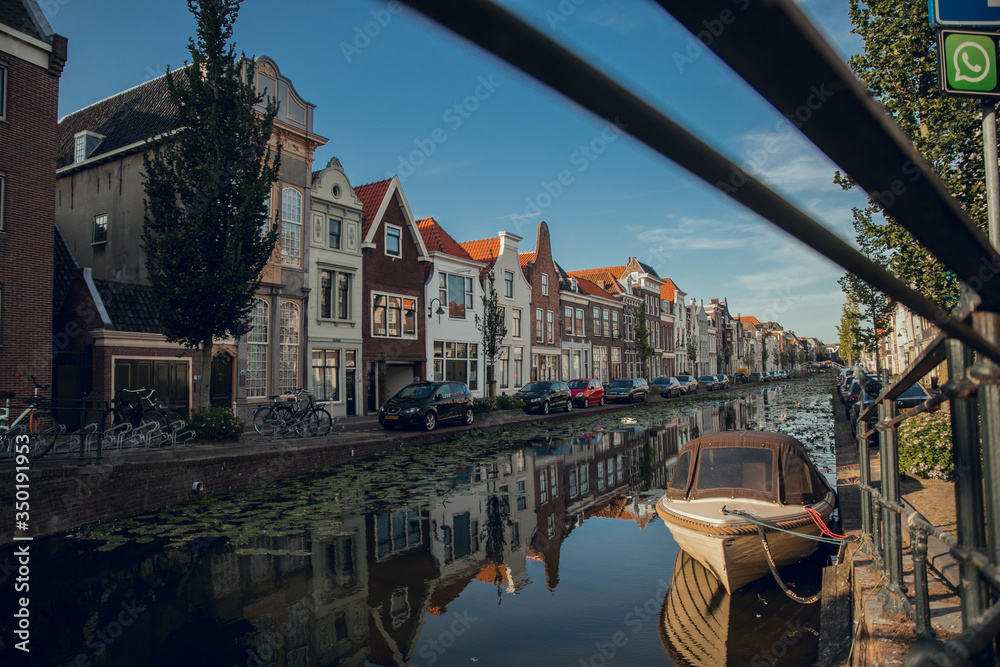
[(502, 402), (505, 402), (925, 446), (654, 390), (215, 424)]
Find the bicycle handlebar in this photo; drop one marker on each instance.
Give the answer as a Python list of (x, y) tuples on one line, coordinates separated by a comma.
[(33, 381)]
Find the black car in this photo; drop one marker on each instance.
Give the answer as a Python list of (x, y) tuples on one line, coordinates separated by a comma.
[(632, 390), (710, 381), (741, 378), (757, 376), (426, 404), (669, 387), (689, 385), (544, 396)]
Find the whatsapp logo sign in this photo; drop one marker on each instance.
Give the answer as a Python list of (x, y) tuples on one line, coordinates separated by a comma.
[(971, 62)]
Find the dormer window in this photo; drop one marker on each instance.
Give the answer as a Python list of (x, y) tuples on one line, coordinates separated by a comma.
[(84, 145), (393, 237)]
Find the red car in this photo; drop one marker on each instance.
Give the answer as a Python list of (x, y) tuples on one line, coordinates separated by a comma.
[(586, 392)]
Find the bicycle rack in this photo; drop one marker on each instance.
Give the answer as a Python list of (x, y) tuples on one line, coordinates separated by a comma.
[(115, 436), (180, 434)]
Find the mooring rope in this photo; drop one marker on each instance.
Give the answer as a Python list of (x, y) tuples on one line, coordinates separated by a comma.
[(777, 577), (838, 540)]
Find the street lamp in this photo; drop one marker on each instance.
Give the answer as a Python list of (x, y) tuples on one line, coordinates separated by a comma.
[(430, 308)]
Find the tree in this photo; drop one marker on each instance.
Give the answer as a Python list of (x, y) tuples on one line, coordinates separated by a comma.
[(875, 311), (763, 353), (899, 65), (643, 347), (783, 358), (822, 354), (692, 354), (849, 332), (748, 360), (205, 233), (492, 328)]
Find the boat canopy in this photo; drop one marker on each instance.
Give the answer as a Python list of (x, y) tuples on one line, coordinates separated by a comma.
[(772, 467)]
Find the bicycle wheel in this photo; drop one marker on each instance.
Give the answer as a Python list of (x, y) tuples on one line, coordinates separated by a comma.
[(265, 420), (154, 416), (42, 432), (323, 421)]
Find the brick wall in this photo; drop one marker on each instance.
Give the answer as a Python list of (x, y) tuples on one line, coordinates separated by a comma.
[(28, 138)]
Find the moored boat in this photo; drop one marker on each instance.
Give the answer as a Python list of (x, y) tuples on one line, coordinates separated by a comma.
[(726, 484)]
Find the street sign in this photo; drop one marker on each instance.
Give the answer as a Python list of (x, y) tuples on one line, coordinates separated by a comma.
[(968, 62), (964, 13)]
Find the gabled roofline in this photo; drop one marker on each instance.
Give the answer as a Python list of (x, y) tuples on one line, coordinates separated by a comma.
[(394, 186)]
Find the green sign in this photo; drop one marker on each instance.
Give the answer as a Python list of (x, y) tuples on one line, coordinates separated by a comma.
[(969, 62)]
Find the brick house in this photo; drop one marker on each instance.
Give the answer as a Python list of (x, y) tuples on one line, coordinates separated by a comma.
[(31, 61), (396, 268), (599, 308), (542, 275), (99, 210)]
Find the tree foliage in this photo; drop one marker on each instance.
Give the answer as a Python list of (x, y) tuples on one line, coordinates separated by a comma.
[(205, 232), (848, 330), (899, 65), (643, 348), (692, 355), (491, 326)]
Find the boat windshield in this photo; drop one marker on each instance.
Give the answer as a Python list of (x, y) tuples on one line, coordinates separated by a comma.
[(741, 467)]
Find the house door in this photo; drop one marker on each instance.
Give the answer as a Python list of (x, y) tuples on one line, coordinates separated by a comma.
[(222, 381), (350, 398)]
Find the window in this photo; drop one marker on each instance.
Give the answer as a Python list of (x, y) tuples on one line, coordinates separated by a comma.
[(257, 351), (291, 226), (334, 295), (545, 284), (516, 366), (80, 148), (503, 368), (614, 325), (568, 320), (393, 236), (458, 362), (585, 478), (456, 291), (578, 325), (538, 325), (550, 326), (515, 322), (3, 93), (334, 233), (326, 375), (597, 321), (543, 487), (3, 179), (265, 225), (394, 316), (508, 284), (607, 322), (522, 496), (288, 361), (100, 228)]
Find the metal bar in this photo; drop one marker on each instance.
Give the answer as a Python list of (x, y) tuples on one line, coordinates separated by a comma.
[(507, 36), (925, 362), (921, 591), (889, 459), (865, 480), (819, 94), (968, 484)]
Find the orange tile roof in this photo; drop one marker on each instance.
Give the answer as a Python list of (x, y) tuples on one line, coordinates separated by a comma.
[(526, 257), (750, 319), (438, 240), (482, 250), (604, 278), (371, 196), (592, 288)]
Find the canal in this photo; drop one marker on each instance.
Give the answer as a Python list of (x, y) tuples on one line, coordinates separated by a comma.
[(538, 545)]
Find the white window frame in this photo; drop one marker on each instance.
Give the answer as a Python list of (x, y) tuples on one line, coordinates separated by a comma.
[(3, 183), (402, 314), (290, 344), (3, 91), (515, 322), (79, 148), (545, 284), (260, 374), (291, 227), (398, 236), (508, 284), (334, 295)]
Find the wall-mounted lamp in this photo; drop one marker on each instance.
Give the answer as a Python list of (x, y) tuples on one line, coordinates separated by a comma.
[(430, 308)]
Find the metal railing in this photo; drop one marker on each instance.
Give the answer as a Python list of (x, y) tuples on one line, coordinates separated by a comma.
[(861, 139)]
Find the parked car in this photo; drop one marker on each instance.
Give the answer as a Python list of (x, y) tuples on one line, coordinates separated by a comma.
[(854, 391), (629, 390), (542, 397), (710, 381), (741, 378), (723, 380), (426, 404), (586, 392), (756, 376), (689, 385), (669, 387)]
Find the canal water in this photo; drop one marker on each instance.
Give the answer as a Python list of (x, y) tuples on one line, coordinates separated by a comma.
[(538, 545)]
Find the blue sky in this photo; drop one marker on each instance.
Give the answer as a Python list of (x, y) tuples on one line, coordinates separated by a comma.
[(403, 99)]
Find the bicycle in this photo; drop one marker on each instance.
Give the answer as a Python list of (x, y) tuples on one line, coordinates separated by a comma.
[(137, 411), (313, 420), (286, 418), (35, 422)]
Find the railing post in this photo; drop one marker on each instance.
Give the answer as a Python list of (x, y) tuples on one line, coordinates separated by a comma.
[(866, 478), (922, 600), (971, 530), (988, 392), (892, 527)]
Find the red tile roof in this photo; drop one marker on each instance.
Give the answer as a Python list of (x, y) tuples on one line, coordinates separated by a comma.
[(438, 240), (605, 278), (371, 196), (592, 288), (750, 319), (526, 257), (482, 250)]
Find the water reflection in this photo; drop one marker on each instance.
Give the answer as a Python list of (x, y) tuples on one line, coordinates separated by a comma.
[(375, 581)]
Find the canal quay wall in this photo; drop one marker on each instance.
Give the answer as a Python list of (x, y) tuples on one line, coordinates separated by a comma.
[(63, 495)]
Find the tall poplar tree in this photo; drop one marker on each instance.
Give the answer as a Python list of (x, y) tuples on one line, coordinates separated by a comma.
[(643, 348), (899, 66), (493, 330), (206, 233)]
